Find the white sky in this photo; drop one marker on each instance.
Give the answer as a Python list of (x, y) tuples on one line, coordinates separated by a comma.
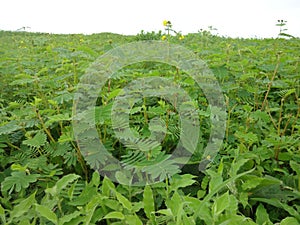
[(234, 18)]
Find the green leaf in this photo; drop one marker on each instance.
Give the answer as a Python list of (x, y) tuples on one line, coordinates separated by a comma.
[(148, 201), (262, 216), (235, 166), (232, 206), (220, 204), (44, 211), (251, 183), (101, 114), (248, 137), (88, 193), (286, 35), (113, 94), (96, 179), (277, 203), (289, 221), (37, 141), (295, 166), (2, 214), (133, 220), (24, 206), (61, 184), (115, 215), (122, 178), (180, 181), (237, 220), (9, 128), (166, 212), (216, 180), (24, 222), (187, 220), (90, 209), (67, 218), (107, 187), (112, 204), (218, 188), (64, 181), (175, 203), (18, 167), (18, 180), (124, 201), (57, 118)]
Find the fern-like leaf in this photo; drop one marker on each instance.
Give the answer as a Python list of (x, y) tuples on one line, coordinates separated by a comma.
[(37, 141)]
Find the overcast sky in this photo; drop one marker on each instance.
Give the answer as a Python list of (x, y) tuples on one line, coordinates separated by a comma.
[(234, 18)]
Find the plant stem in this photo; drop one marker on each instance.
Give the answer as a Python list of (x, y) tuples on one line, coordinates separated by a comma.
[(12, 146), (271, 81), (81, 160), (43, 125)]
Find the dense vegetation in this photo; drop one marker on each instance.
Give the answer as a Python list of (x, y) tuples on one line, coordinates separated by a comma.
[(254, 178)]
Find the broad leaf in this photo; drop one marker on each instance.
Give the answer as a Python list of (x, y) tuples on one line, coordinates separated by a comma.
[(47, 213), (115, 215), (23, 206), (148, 201)]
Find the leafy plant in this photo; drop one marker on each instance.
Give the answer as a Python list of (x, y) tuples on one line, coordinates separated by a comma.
[(282, 32), (47, 179)]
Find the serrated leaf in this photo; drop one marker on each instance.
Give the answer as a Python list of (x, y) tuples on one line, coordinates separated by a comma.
[(9, 128), (180, 181), (64, 97), (44, 211), (248, 137), (22, 79), (101, 114), (162, 169)]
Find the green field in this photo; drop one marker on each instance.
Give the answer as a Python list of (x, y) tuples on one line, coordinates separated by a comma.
[(46, 178)]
